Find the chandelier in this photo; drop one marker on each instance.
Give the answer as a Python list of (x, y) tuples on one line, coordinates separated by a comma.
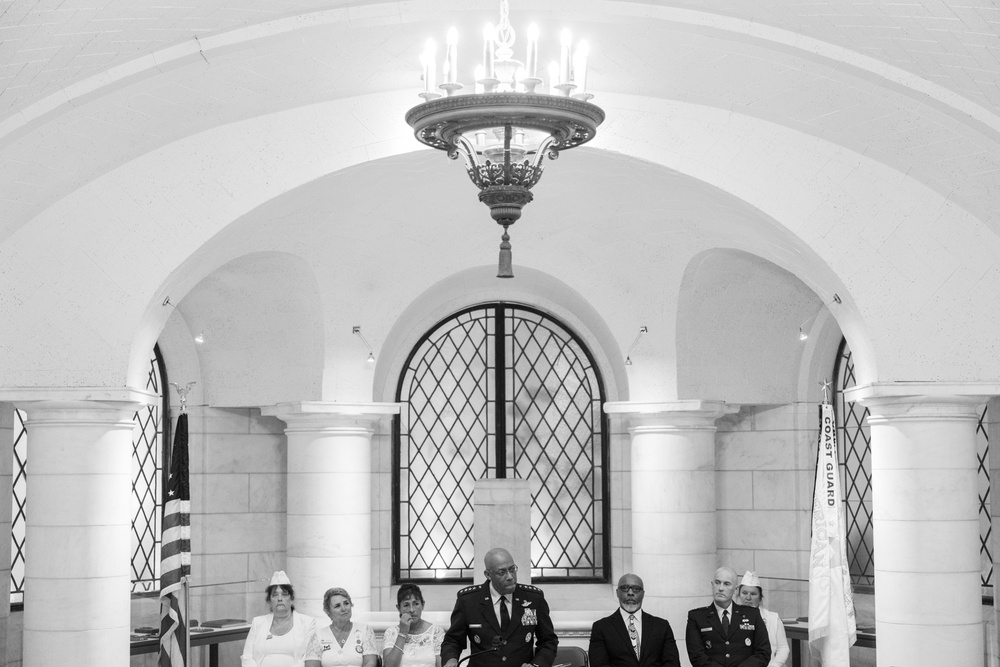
[(508, 126)]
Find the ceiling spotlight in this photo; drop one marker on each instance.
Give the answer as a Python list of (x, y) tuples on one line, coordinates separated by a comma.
[(371, 355), (802, 331), (628, 358), (200, 338)]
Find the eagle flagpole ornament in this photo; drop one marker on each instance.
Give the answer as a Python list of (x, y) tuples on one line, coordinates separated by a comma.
[(506, 128)]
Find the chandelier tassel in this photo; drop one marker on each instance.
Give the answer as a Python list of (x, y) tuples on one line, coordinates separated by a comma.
[(505, 270)]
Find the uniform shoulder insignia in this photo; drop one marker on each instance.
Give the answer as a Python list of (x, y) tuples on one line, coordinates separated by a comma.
[(469, 589), (529, 587)]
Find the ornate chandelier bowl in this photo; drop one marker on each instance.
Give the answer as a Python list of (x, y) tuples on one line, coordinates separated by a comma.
[(504, 138), (439, 123)]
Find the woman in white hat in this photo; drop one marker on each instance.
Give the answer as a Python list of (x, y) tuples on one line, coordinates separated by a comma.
[(283, 637), (751, 594)]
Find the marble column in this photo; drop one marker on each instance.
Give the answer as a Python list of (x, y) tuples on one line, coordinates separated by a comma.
[(77, 571), (928, 604), (329, 530), (673, 500)]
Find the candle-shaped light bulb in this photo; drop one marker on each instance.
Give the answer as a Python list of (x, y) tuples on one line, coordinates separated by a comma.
[(428, 60), (553, 78), (479, 80), (489, 51), (451, 61), (580, 67), (566, 40), (531, 62)]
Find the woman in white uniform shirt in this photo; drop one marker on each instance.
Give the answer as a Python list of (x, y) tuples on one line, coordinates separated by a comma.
[(283, 637), (751, 594), (344, 643)]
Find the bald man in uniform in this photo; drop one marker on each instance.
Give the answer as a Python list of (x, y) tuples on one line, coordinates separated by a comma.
[(506, 623), (725, 634)]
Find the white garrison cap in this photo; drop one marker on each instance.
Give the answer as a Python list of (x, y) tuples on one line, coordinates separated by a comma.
[(751, 579), (279, 578)]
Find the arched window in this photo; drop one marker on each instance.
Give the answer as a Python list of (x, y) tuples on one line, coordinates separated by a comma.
[(500, 390), (147, 476), (855, 448)]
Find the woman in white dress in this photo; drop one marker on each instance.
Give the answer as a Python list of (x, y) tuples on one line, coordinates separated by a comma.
[(344, 643), (416, 642), (751, 594), (283, 637)]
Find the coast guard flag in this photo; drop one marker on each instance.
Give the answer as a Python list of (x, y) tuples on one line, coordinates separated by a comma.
[(832, 627), (175, 554)]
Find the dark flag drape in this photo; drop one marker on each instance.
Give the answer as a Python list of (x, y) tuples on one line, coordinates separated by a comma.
[(175, 565)]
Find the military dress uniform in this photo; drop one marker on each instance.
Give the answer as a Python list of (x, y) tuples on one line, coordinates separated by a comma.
[(746, 645), (530, 637)]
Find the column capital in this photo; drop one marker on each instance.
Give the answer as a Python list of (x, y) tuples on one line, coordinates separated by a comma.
[(79, 405), (922, 400), (934, 392), (686, 414), (27, 398), (321, 415)]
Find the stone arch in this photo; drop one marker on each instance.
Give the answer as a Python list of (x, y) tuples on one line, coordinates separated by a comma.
[(479, 285), (738, 330)]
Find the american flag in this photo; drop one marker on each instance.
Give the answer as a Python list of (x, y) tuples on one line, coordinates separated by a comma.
[(175, 554)]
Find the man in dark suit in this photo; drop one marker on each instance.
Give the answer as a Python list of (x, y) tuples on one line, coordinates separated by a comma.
[(724, 633), (506, 623), (630, 637)]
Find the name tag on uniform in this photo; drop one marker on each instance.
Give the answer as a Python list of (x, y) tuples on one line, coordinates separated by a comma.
[(475, 626), (705, 629)]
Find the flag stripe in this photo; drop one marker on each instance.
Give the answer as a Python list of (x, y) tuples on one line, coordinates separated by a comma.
[(175, 553)]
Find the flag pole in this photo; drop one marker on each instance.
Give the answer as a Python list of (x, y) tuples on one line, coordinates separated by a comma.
[(186, 583)]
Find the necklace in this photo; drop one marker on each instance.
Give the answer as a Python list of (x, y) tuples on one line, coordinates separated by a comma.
[(345, 633)]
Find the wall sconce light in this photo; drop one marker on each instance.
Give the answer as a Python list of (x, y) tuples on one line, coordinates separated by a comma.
[(628, 358), (802, 332), (371, 355)]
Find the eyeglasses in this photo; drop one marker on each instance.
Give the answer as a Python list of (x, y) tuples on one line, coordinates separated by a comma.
[(503, 573), (630, 589)]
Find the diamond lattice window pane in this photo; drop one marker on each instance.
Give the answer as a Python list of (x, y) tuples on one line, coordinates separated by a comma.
[(553, 432), (856, 467), (147, 473)]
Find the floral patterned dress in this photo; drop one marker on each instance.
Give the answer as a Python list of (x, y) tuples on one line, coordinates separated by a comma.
[(420, 650)]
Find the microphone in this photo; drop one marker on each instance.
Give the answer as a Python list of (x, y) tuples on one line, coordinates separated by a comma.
[(496, 644)]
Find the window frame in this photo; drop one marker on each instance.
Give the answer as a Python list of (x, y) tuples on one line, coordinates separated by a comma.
[(501, 312)]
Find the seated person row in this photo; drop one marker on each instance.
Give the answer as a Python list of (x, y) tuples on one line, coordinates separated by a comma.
[(628, 637), (286, 638)]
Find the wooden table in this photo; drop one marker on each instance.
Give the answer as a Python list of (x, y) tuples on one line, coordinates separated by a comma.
[(212, 639), (797, 633)]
